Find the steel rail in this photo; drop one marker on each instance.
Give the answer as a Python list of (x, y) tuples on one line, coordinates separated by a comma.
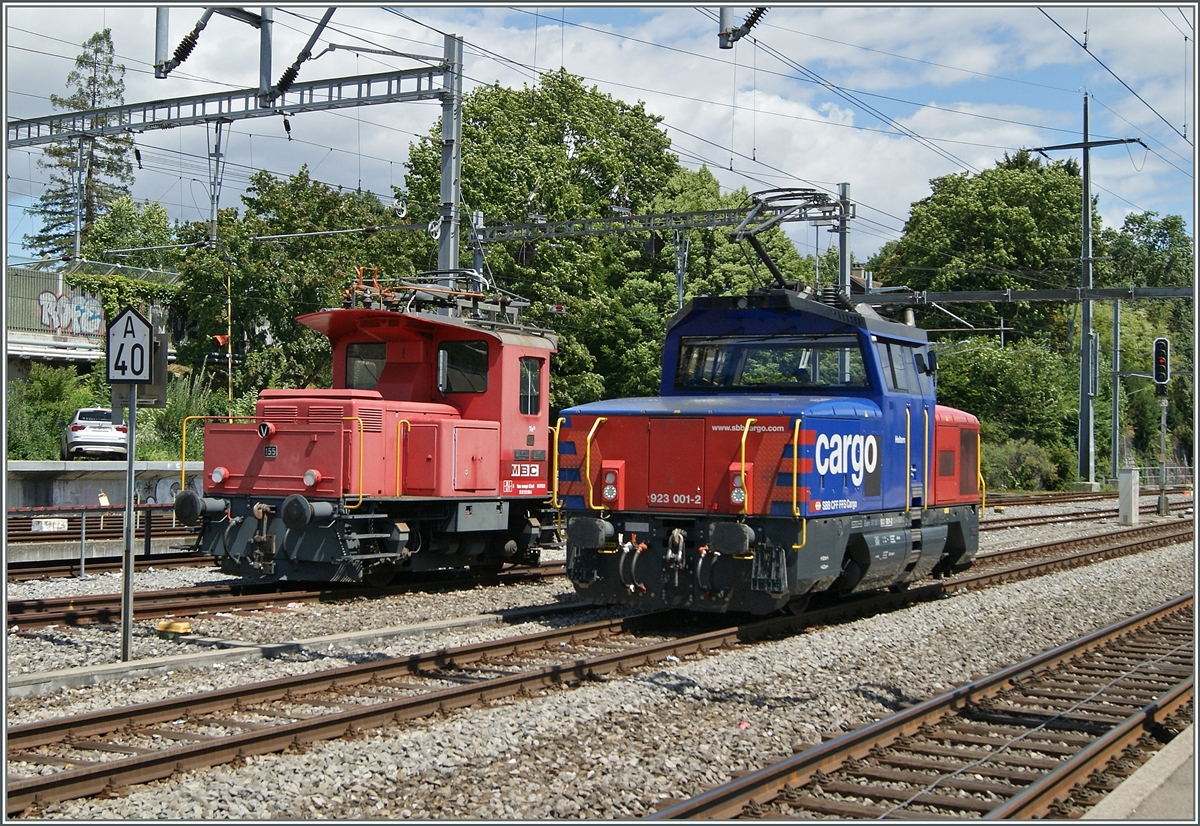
[(92, 779), (1041, 798), (729, 800), (188, 602)]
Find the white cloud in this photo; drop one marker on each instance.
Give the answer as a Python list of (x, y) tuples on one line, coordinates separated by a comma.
[(798, 133)]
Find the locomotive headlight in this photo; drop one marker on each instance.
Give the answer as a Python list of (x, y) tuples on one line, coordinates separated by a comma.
[(737, 494), (219, 475), (609, 491), (612, 484), (311, 477)]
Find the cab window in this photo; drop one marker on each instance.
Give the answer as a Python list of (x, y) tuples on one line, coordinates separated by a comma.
[(364, 363), (466, 366), (531, 386), (896, 362)]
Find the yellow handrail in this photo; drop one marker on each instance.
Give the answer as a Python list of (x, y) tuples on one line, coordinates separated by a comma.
[(796, 468), (554, 500), (928, 459), (745, 482), (979, 475), (183, 450), (399, 451), (795, 485), (588, 461), (360, 460), (908, 460)]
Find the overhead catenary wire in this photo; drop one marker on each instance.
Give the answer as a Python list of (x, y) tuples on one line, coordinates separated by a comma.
[(753, 157), (1118, 79)]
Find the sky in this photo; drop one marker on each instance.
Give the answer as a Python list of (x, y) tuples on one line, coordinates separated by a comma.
[(883, 98)]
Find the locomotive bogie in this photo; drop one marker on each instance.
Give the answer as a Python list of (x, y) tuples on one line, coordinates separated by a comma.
[(301, 540), (759, 565)]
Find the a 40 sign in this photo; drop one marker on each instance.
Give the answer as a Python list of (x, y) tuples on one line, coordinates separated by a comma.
[(129, 349)]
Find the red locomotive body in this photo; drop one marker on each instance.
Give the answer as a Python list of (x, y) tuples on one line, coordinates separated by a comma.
[(430, 451)]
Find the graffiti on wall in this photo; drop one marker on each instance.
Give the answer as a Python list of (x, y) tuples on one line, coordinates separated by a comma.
[(79, 315)]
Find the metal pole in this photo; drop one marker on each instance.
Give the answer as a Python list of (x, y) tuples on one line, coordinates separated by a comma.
[(844, 239), (476, 247), (161, 47), (1087, 434), (127, 590), (1163, 508), (681, 254), (1115, 430), (844, 268), (451, 169), (83, 545), (78, 177), (265, 34)]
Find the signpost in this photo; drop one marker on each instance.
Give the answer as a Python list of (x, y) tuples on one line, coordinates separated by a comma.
[(129, 362)]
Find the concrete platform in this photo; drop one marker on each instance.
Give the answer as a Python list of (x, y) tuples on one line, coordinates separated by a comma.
[(93, 549), (1164, 789)]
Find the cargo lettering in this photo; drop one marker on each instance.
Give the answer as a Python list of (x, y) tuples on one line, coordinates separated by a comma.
[(853, 454)]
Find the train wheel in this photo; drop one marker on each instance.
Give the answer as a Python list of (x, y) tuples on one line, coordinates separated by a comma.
[(487, 571), (380, 576), (797, 605)]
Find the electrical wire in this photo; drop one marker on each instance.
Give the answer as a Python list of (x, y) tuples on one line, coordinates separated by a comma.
[(1114, 74)]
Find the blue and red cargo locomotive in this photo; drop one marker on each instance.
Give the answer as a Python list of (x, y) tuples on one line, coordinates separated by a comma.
[(796, 447)]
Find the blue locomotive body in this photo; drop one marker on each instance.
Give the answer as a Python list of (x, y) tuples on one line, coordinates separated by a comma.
[(796, 446)]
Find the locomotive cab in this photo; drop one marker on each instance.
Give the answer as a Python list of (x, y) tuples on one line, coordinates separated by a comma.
[(430, 450), (787, 453)]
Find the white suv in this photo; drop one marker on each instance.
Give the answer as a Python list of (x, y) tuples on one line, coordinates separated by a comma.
[(92, 432)]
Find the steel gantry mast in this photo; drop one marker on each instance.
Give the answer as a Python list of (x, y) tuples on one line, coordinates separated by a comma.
[(1088, 344), (441, 80)]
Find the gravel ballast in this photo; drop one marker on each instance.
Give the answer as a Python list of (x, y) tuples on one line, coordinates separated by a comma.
[(612, 748)]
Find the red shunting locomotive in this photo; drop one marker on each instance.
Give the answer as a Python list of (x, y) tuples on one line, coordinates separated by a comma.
[(431, 450)]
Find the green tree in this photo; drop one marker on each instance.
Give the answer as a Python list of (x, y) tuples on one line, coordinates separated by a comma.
[(1149, 251), (269, 284), (129, 225), (1025, 391), (563, 151), (1015, 226), (96, 82)]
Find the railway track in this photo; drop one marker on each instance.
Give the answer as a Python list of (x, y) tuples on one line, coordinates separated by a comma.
[(999, 523), (97, 524), (1048, 737), (189, 602), (90, 753), (25, 571)]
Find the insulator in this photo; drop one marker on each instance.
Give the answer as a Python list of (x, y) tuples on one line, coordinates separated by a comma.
[(755, 16), (289, 77), (185, 46)]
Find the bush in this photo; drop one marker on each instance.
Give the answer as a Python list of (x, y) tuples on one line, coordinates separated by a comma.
[(160, 431), (1019, 464), (39, 406)]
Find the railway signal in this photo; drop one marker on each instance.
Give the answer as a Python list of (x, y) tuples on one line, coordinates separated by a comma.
[(1162, 361)]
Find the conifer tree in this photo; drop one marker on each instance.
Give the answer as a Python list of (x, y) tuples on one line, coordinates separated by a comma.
[(96, 82)]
